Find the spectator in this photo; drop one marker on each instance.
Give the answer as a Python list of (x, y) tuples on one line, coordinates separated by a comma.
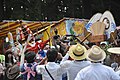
[(97, 71), (77, 53), (1, 70), (12, 69), (28, 69), (115, 52), (51, 70), (9, 58), (115, 55)]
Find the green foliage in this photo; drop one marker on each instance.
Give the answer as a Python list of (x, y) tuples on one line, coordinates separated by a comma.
[(106, 47)]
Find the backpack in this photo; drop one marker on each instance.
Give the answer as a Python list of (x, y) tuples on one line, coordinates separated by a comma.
[(29, 70), (12, 72)]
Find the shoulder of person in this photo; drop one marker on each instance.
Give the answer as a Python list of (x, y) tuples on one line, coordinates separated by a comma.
[(1, 66), (40, 69), (41, 66), (87, 68), (108, 68), (88, 62), (66, 63)]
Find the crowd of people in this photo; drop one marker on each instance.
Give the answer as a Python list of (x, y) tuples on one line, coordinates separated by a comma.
[(66, 59)]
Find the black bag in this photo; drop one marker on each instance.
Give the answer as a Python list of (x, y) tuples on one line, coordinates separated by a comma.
[(49, 73), (12, 72)]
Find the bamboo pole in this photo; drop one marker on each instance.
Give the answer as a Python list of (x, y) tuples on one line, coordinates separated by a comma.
[(114, 40), (86, 37)]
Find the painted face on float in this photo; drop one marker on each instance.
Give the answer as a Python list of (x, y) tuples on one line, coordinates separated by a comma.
[(107, 23)]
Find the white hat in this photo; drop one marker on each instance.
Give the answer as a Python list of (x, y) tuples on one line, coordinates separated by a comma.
[(103, 43), (115, 50), (95, 54)]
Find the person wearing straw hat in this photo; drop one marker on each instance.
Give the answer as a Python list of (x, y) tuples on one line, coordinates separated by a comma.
[(115, 53), (118, 36), (77, 53), (96, 71)]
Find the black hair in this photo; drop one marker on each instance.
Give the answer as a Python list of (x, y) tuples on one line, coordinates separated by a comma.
[(7, 58), (56, 31), (30, 56), (56, 37), (52, 55)]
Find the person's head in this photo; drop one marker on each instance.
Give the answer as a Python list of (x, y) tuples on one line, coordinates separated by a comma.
[(30, 56), (95, 54), (56, 31), (46, 47), (16, 51), (107, 23), (103, 44), (9, 56), (56, 37), (115, 54), (52, 55), (77, 52)]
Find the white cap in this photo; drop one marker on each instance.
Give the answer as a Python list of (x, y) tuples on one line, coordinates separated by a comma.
[(104, 43)]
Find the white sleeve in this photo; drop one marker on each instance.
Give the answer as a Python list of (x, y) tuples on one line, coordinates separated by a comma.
[(118, 72), (40, 69), (65, 58), (64, 67), (114, 75), (1, 66), (78, 77), (65, 64)]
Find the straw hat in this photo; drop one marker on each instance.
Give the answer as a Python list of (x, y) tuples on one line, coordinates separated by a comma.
[(95, 54), (77, 52), (115, 50)]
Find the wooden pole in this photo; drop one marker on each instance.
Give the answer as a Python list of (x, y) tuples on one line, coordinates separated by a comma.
[(86, 37), (114, 40)]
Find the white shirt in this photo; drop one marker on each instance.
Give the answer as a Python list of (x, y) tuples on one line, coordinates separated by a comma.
[(97, 71), (55, 70), (73, 67), (118, 72), (1, 68)]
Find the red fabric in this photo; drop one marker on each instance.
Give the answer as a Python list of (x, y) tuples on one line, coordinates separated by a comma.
[(38, 46)]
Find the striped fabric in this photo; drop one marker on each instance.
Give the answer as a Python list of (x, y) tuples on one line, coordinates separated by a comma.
[(24, 32), (10, 26)]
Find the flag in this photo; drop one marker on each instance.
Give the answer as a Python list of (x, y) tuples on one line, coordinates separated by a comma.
[(46, 35)]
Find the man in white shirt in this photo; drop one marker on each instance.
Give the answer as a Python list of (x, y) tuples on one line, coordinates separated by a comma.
[(54, 69), (115, 52), (77, 53), (118, 72), (96, 71)]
